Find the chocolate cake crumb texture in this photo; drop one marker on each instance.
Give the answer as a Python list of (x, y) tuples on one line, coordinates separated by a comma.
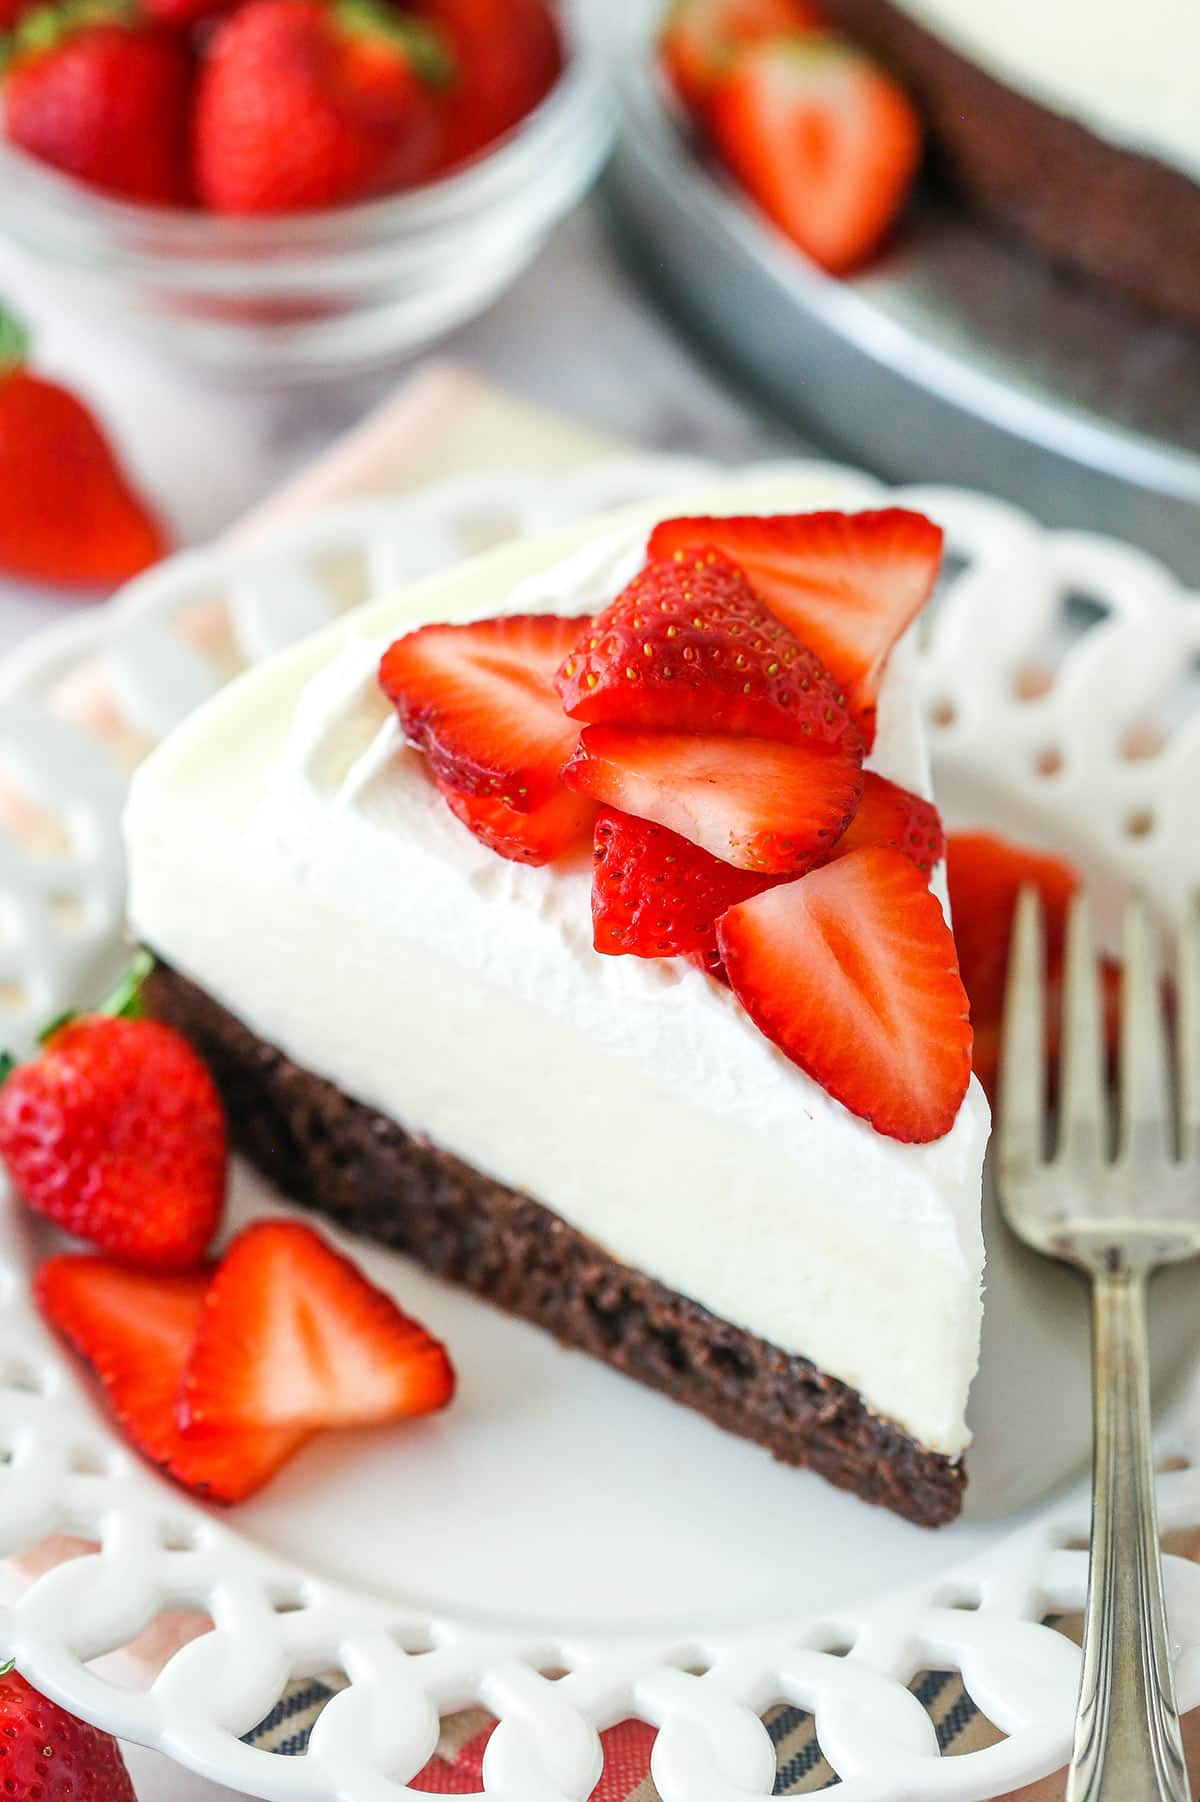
[(1126, 219)]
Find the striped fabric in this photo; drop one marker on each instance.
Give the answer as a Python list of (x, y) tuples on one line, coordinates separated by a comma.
[(455, 1770)]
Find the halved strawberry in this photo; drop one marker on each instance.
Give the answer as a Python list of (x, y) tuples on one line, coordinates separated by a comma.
[(294, 1336), (655, 894), (853, 974), (897, 819), (136, 1329), (480, 699), (759, 804), (845, 584), (701, 38), (689, 647), (559, 825), (822, 139)]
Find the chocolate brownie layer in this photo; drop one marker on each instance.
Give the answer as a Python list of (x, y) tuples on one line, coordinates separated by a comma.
[(358, 1167), (1127, 219)]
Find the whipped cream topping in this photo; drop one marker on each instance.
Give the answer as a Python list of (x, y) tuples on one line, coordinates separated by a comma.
[(382, 946), (1130, 76), (530, 928)]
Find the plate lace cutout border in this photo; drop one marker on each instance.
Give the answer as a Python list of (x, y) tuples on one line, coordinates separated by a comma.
[(1065, 660)]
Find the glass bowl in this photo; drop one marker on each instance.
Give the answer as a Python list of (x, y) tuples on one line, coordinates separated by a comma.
[(304, 296)]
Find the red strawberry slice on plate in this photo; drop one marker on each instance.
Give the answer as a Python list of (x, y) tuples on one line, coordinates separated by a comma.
[(986, 875), (480, 699), (654, 894), (689, 647), (897, 819), (700, 39), (759, 804), (845, 584), (560, 825), (852, 973), (822, 139), (136, 1329), (294, 1336)]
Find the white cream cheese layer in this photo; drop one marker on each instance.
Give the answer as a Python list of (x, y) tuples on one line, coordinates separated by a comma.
[(1131, 75), (290, 855)]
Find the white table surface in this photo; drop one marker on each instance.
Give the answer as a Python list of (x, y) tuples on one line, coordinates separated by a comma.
[(574, 334)]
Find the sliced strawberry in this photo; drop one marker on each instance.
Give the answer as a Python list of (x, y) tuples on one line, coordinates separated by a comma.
[(709, 960), (655, 894), (896, 819), (480, 699), (690, 647), (757, 803), (294, 1336), (846, 584), (852, 973), (822, 139), (700, 39), (559, 826), (136, 1329), (888, 816), (986, 875)]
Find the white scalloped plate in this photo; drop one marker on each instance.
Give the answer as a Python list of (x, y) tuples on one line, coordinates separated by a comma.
[(560, 1519)]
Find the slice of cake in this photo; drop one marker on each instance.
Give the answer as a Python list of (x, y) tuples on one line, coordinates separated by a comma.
[(1078, 127), (574, 953)]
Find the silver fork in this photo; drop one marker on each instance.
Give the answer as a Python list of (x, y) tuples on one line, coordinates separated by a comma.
[(1116, 1198)]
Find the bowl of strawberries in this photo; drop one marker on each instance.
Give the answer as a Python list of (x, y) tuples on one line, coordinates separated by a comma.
[(282, 189)]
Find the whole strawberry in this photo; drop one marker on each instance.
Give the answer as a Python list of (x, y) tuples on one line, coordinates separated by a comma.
[(308, 104), (67, 512), (45, 1753), (102, 97), (116, 1134), (179, 14), (508, 54)]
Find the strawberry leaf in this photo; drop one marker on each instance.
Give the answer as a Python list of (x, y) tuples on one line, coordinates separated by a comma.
[(14, 339), (125, 1001), (419, 44)]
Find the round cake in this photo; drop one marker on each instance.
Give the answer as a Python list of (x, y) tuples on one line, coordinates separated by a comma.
[(1080, 129)]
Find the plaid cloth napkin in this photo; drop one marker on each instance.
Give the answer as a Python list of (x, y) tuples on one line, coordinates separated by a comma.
[(445, 421)]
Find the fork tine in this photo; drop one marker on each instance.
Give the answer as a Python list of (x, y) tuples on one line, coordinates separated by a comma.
[(1083, 1112), (1022, 1109), (1145, 1081), (1188, 1033)]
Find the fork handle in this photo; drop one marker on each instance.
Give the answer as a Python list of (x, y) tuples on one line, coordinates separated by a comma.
[(1128, 1746)]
